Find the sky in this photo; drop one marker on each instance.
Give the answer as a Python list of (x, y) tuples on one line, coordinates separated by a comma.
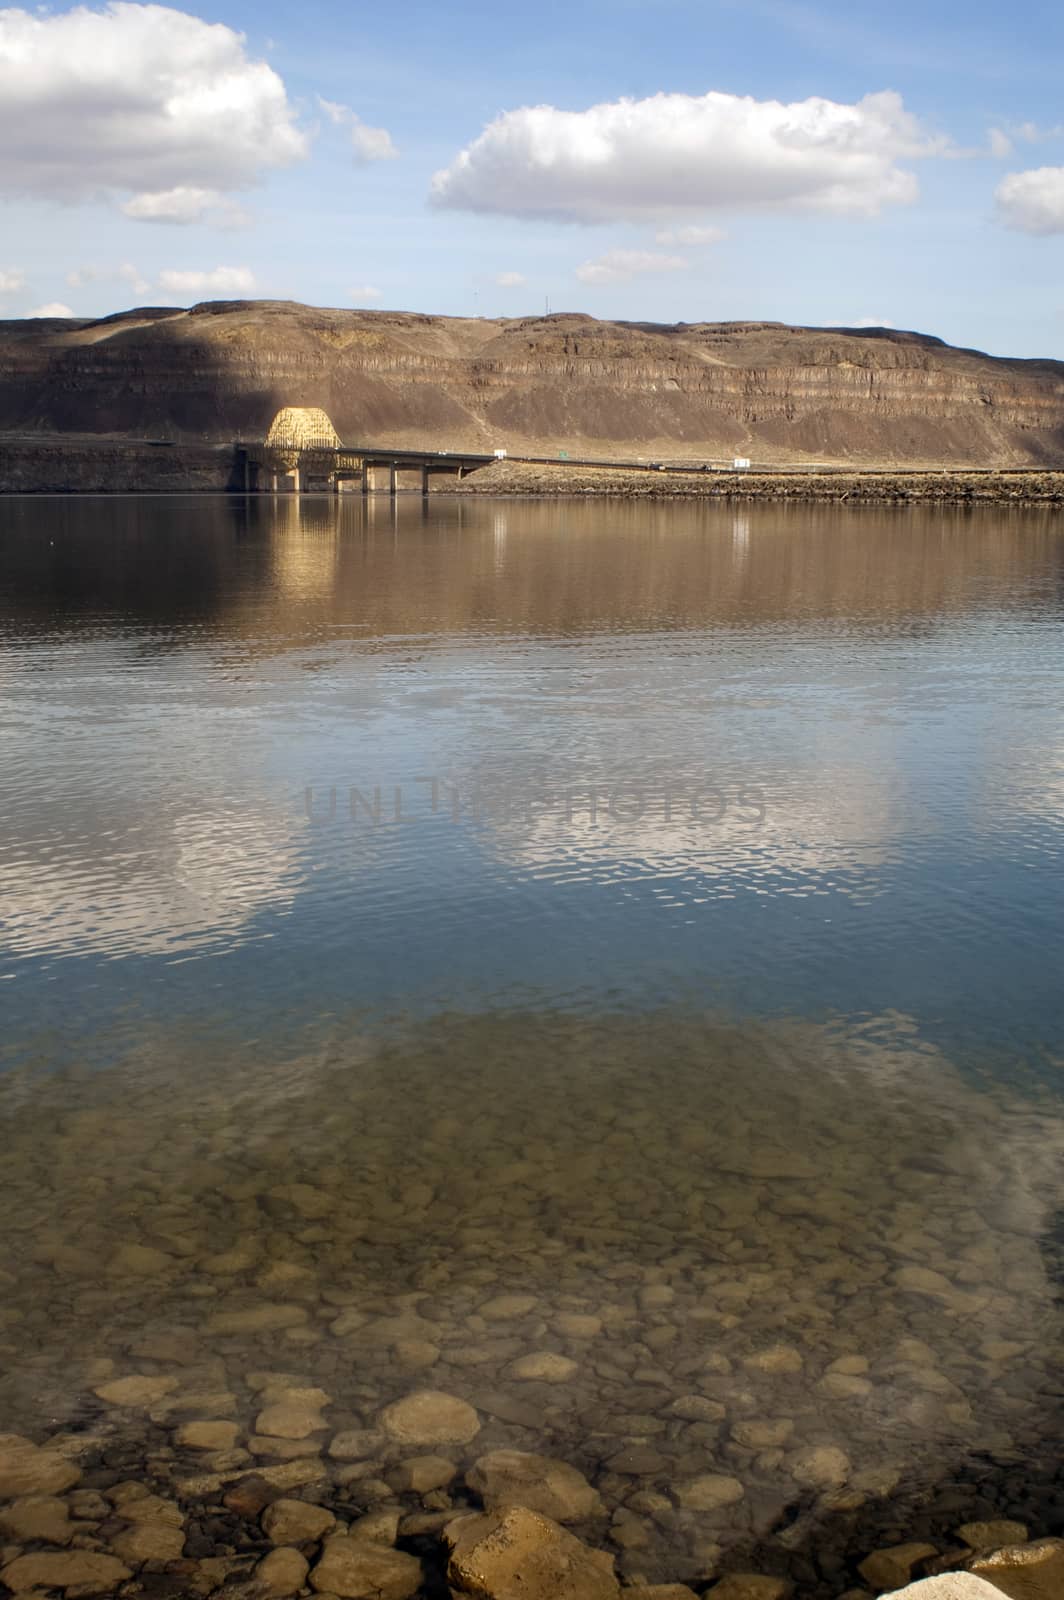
[(825, 163)]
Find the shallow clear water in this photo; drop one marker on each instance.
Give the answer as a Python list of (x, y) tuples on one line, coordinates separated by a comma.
[(651, 913)]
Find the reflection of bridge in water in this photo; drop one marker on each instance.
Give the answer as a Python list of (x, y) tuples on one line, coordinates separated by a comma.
[(303, 454)]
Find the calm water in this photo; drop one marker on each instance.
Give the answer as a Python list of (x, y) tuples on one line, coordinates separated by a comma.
[(648, 914)]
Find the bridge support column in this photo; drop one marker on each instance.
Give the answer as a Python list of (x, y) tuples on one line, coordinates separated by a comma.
[(392, 476), (296, 481), (273, 483), (424, 480)]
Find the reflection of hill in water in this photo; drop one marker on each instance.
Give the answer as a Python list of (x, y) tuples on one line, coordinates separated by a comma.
[(292, 571), (823, 1237)]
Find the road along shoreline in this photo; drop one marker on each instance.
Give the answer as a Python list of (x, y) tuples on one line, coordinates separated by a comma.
[(948, 486)]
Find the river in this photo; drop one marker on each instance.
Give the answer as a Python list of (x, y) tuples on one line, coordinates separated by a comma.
[(598, 962)]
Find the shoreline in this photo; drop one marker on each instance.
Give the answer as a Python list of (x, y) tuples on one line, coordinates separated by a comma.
[(72, 467), (950, 486)]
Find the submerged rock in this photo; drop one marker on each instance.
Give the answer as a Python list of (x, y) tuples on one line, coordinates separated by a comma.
[(282, 1573), (430, 1417), (991, 1535), (36, 1517), (26, 1468), (296, 1522), (84, 1570), (136, 1392), (750, 1586), (519, 1478), (708, 1493), (358, 1569), (422, 1474), (546, 1366), (891, 1567)]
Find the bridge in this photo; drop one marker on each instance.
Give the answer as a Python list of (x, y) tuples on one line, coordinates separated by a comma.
[(303, 454)]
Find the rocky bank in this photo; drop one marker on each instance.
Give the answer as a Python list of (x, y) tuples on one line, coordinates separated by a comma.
[(400, 1525), (727, 1303)]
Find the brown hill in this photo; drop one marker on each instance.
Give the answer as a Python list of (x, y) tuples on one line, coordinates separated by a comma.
[(534, 385)]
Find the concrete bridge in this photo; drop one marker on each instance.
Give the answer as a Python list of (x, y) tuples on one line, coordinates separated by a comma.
[(302, 454)]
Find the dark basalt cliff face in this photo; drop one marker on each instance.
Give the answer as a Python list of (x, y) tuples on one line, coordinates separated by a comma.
[(534, 385)]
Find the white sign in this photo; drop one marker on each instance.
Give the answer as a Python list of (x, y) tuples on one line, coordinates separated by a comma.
[(741, 463)]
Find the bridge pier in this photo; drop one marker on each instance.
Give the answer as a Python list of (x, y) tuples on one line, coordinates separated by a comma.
[(305, 461)]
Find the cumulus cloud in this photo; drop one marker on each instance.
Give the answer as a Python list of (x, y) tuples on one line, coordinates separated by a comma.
[(1000, 144), (1033, 201), (133, 98), (362, 292), (369, 144), (511, 280), (870, 322), (11, 280), (222, 280), (618, 266), (674, 153), (54, 308), (689, 236)]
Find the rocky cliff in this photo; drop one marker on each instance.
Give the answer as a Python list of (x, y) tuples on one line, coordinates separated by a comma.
[(534, 385)]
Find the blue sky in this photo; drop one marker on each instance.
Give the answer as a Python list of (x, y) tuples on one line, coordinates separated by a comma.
[(849, 164)]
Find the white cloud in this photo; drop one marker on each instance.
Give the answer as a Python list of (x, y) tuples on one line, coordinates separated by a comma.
[(222, 280), (369, 144), (54, 308), (11, 280), (674, 153), (869, 322), (183, 204), (126, 273), (372, 144), (618, 266), (363, 291), (689, 236), (1000, 144), (135, 98), (511, 280), (1033, 201)]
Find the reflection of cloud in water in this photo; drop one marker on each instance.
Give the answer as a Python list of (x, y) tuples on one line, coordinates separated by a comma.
[(202, 876), (825, 1229), (843, 824)]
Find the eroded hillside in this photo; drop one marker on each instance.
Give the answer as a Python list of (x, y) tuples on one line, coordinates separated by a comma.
[(534, 385)]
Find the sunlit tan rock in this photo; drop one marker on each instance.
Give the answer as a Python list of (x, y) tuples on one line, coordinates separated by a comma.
[(519, 1555)]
